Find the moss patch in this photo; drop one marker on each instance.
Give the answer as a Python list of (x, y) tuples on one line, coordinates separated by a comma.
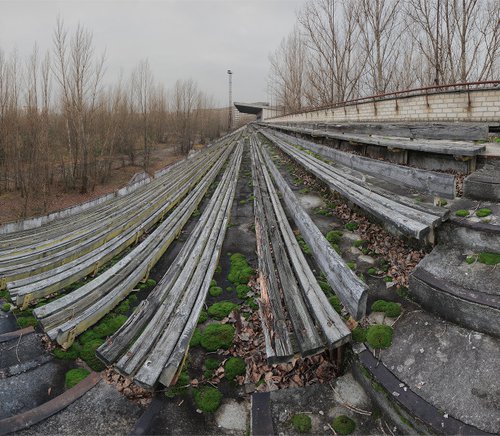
[(207, 399), (240, 271), (215, 291), (211, 364), (6, 307), (336, 304), (379, 336), (203, 317), (88, 354), (196, 338), (221, 309), (352, 226), (489, 258), (343, 425), (390, 308), (217, 336), (242, 291), (303, 245), (334, 236), (359, 334), (462, 213), (481, 213), (26, 321), (301, 423), (71, 353), (75, 376), (233, 367)]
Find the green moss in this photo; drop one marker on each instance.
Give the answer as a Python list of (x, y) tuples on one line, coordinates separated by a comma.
[(352, 226), (303, 245), (229, 289), (489, 258), (221, 309), (252, 304), (208, 374), (180, 387), (358, 243), (379, 336), (213, 283), (25, 321), (393, 310), (388, 279), (123, 307), (88, 354), (72, 353), (211, 363), (301, 423), (203, 317), (402, 291), (335, 302), (351, 265), (242, 291), (233, 367), (462, 213), (372, 271), (88, 336), (359, 334), (483, 212), (109, 325), (5, 294), (215, 291), (240, 271), (75, 376), (334, 236), (218, 270), (207, 399), (441, 202), (343, 425), (6, 307), (379, 306), (195, 339), (217, 336)]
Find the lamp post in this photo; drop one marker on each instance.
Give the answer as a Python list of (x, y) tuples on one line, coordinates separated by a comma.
[(230, 123)]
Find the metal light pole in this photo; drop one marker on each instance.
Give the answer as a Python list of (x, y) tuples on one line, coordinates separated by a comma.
[(230, 124)]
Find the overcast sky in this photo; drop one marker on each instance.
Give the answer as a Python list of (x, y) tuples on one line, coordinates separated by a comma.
[(198, 39)]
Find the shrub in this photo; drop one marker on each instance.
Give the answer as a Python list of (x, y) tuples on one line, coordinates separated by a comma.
[(462, 213), (215, 291), (6, 307), (481, 213), (233, 367), (75, 376), (240, 271), (379, 336), (358, 334), (301, 423), (196, 338), (343, 425), (489, 258), (207, 399), (352, 226), (217, 336), (221, 309), (88, 354)]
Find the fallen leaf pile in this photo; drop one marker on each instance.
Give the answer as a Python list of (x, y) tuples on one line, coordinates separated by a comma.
[(127, 387)]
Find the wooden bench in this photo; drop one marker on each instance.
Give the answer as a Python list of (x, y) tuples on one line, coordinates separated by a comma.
[(402, 214)]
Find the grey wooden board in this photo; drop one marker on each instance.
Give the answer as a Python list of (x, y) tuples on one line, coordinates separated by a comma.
[(454, 148), (446, 131), (328, 321), (441, 184), (402, 217), (349, 288)]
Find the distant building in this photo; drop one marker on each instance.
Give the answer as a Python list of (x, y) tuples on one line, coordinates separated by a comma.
[(261, 110)]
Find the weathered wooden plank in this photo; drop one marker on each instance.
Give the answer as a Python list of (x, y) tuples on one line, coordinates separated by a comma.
[(329, 322), (454, 148), (379, 206), (350, 289), (304, 328), (441, 184), (446, 131)]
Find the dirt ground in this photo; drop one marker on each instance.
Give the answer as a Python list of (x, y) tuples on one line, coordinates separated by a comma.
[(11, 203)]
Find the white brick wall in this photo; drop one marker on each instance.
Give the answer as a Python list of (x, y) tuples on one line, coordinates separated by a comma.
[(451, 106)]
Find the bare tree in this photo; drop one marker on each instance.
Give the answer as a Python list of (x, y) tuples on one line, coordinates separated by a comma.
[(185, 102)]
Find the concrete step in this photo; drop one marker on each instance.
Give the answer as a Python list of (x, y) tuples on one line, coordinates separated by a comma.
[(436, 377)]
